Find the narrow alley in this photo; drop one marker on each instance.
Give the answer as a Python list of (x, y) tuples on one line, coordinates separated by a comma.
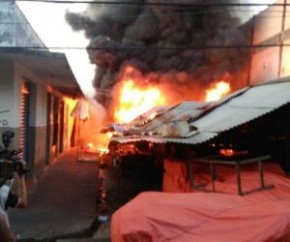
[(62, 205)]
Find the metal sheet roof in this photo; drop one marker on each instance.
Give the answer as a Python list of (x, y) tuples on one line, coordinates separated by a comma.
[(196, 139), (146, 117), (236, 109), (135, 126), (145, 124), (182, 111), (224, 118), (251, 104)]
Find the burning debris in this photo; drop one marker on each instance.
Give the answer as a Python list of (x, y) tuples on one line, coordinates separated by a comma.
[(219, 89), (180, 47)]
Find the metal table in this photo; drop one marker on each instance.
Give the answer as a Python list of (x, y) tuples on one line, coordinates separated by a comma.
[(238, 162)]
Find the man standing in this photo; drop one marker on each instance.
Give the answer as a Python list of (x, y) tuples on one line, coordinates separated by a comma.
[(9, 199), (5, 233)]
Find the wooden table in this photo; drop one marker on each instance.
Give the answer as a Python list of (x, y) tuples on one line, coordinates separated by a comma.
[(238, 162)]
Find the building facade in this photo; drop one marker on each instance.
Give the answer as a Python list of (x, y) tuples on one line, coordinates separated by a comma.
[(271, 38), (38, 92)]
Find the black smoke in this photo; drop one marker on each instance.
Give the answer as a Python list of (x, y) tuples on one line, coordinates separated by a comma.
[(189, 41)]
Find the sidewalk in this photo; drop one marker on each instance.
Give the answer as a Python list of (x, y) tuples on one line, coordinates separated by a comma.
[(61, 205)]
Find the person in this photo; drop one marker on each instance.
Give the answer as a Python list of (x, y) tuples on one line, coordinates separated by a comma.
[(10, 199), (5, 233)]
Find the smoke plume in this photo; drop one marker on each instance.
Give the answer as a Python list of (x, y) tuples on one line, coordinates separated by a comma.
[(179, 44)]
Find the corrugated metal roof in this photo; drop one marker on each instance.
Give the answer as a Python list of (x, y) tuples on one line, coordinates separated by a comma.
[(225, 118), (182, 111), (147, 116), (236, 109), (196, 139), (164, 114), (135, 126), (251, 104)]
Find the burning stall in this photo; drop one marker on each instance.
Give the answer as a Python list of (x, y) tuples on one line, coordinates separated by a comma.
[(241, 123), (152, 54), (173, 52), (251, 122)]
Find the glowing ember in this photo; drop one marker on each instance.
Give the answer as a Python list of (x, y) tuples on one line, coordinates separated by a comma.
[(90, 145), (135, 101), (226, 152), (109, 135), (231, 152), (152, 116), (220, 89), (102, 150)]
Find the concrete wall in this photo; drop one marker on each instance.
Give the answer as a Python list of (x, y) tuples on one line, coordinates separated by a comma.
[(265, 63), (285, 66), (271, 30), (287, 20), (268, 24), (40, 159), (69, 105), (7, 114), (15, 29)]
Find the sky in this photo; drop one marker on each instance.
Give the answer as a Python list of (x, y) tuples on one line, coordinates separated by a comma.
[(48, 21)]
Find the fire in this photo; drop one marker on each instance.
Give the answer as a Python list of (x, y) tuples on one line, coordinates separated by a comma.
[(134, 101), (231, 152), (220, 89), (226, 152), (100, 149)]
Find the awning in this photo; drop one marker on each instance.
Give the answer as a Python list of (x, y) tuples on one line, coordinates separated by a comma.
[(232, 111), (51, 67)]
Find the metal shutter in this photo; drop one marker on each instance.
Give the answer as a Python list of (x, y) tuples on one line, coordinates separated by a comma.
[(24, 115)]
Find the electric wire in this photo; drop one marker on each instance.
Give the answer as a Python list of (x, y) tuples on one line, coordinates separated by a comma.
[(191, 12), (147, 48), (159, 48), (156, 3)]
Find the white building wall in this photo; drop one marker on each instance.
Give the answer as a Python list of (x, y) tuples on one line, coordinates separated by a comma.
[(271, 30), (7, 109), (287, 20), (265, 65), (285, 66), (41, 107), (22, 75), (268, 24)]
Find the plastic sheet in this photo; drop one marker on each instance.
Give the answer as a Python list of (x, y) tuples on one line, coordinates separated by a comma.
[(205, 216)]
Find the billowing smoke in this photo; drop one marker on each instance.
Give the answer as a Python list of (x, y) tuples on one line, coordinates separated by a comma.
[(183, 43)]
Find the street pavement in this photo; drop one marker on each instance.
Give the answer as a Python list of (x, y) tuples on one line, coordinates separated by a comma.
[(62, 205)]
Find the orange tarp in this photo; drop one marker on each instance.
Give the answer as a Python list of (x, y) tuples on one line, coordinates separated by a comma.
[(206, 216), (174, 178)]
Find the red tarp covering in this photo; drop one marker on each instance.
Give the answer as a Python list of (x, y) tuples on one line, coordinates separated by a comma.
[(174, 178), (203, 217)]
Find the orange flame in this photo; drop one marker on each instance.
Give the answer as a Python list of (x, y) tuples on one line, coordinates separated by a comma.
[(135, 100), (226, 152), (220, 89)]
